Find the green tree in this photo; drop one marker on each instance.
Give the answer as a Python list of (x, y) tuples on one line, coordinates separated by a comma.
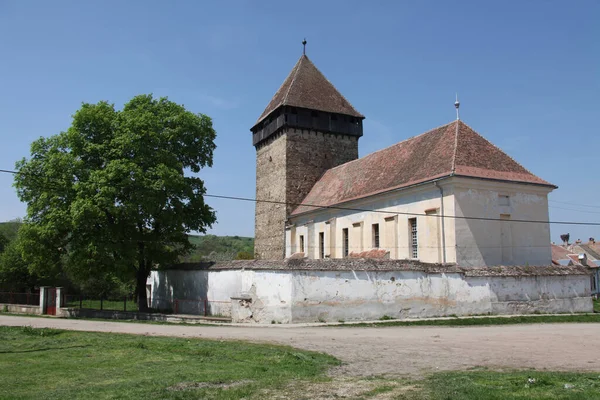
[(10, 229), (14, 271), (244, 255), (109, 196), (3, 243)]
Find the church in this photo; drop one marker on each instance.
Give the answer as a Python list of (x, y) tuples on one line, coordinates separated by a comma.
[(445, 196), (442, 223)]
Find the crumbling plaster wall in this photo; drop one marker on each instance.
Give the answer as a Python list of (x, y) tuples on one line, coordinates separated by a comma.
[(270, 292), (367, 295), (284, 296)]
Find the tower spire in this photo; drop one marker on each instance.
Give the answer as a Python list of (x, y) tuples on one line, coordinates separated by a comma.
[(457, 105), (304, 48)]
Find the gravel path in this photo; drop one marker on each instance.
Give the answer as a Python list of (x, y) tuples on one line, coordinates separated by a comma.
[(393, 350)]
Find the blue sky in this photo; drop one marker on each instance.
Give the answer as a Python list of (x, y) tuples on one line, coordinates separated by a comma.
[(527, 74)]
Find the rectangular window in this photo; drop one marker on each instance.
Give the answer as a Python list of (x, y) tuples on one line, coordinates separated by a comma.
[(375, 236), (301, 243), (345, 242), (321, 244), (414, 244)]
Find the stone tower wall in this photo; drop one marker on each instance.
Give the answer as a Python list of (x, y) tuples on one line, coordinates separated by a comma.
[(269, 223), (309, 155), (287, 167)]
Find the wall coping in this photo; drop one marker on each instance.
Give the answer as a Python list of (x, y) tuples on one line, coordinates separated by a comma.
[(383, 265)]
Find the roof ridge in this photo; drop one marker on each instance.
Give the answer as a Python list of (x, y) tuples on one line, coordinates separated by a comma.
[(296, 68), (334, 87), (388, 147), (455, 148), (499, 149)]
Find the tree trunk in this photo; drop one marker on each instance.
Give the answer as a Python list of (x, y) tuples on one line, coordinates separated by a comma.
[(142, 276)]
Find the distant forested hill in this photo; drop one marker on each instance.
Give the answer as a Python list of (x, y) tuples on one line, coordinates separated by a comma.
[(220, 248), (9, 229), (208, 247)]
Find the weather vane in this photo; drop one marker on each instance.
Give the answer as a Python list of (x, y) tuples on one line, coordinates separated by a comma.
[(304, 44)]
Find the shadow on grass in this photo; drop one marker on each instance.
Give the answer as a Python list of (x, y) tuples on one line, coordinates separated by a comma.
[(46, 349)]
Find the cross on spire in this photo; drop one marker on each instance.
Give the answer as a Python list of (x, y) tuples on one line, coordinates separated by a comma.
[(304, 44), (457, 105)]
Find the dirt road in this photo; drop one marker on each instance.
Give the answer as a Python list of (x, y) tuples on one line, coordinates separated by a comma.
[(394, 350)]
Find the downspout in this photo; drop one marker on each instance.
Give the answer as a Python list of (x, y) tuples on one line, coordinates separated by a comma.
[(443, 225)]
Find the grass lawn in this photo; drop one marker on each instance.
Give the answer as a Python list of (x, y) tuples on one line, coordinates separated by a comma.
[(475, 385), (462, 385), (55, 364), (524, 319)]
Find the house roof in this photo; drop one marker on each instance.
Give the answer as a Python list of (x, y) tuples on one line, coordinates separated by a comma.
[(307, 87), (454, 149), (559, 253), (593, 249)]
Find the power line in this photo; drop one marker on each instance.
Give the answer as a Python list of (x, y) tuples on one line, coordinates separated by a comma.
[(333, 207), (572, 204), (572, 209), (400, 213)]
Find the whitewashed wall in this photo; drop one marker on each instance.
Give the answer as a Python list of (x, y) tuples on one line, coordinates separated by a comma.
[(284, 296), (487, 243), (466, 242), (394, 233)]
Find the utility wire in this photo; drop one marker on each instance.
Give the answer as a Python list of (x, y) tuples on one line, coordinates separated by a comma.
[(572, 204), (401, 213), (572, 209), (333, 207)]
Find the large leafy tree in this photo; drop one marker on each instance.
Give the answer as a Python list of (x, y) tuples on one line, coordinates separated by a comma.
[(110, 195)]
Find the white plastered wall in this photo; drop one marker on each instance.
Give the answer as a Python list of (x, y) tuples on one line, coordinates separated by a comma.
[(492, 242), (393, 208), (284, 296)]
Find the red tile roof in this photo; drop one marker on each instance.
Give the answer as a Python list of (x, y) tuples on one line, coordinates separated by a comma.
[(559, 253), (307, 87), (372, 253), (452, 149)]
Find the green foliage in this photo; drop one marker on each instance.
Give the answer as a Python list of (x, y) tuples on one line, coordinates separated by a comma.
[(10, 229), (3, 243), (86, 365), (109, 197), (219, 248), (15, 273), (244, 255)]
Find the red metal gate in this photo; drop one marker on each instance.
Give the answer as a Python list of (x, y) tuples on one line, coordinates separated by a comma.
[(51, 301)]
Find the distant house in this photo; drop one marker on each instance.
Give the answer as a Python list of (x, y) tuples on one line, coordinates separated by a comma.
[(580, 254)]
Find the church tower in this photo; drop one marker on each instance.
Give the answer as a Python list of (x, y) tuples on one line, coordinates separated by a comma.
[(306, 129)]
